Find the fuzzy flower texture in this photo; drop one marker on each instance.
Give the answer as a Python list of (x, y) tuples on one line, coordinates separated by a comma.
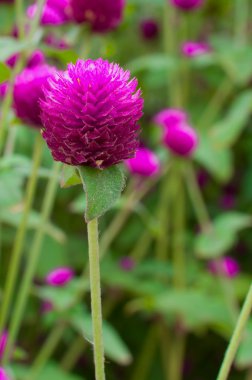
[(90, 114)]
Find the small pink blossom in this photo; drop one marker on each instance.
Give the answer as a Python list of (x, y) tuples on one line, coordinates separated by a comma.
[(227, 266), (182, 140), (170, 117), (127, 263), (187, 5), (145, 163), (193, 49), (60, 276), (149, 29), (3, 374)]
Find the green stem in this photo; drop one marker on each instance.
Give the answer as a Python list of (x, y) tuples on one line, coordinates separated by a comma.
[(46, 351), (73, 354), (20, 237), (145, 359), (241, 17), (32, 261), (95, 286), (236, 337), (20, 18)]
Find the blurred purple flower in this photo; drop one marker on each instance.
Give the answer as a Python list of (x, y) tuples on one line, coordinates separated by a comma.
[(3, 343), (127, 263), (202, 178), (37, 58), (90, 114), (187, 5), (145, 163), (28, 90), (227, 266), (149, 29), (3, 89), (170, 117), (46, 307), (55, 12), (102, 15), (3, 374), (60, 276), (182, 139), (58, 43), (193, 49), (227, 201)]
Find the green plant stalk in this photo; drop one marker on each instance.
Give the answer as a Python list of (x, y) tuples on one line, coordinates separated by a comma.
[(20, 236), (236, 337), (46, 351), (18, 311), (73, 354), (20, 18), (145, 359), (96, 308), (241, 16)]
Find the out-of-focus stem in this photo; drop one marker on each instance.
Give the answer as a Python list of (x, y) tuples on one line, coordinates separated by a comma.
[(16, 253), (241, 16)]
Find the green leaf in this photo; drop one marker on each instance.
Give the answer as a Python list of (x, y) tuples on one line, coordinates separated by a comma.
[(102, 188), (153, 62), (223, 235), (4, 72), (10, 46), (114, 347), (226, 132), (51, 371), (69, 176)]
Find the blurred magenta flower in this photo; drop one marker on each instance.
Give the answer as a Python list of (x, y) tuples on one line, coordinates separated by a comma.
[(170, 117), (227, 201), (28, 90), (37, 58), (102, 15), (127, 263), (55, 12), (145, 163), (149, 29), (3, 89), (58, 43), (187, 5), (193, 49), (227, 266), (182, 139), (60, 276), (46, 307), (3, 374), (90, 114), (3, 343)]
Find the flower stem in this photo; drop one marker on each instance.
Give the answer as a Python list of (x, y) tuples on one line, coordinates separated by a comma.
[(241, 16), (73, 354), (236, 337), (20, 237), (32, 261), (46, 351), (94, 267)]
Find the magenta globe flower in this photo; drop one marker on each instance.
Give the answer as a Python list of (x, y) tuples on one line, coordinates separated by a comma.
[(145, 163), (90, 114), (182, 139), (102, 15), (55, 12), (227, 266), (187, 5), (28, 90), (3, 343), (3, 374), (127, 263), (149, 29), (37, 58), (193, 49), (170, 117), (59, 277)]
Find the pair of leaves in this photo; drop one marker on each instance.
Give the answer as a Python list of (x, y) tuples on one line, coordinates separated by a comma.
[(222, 236), (102, 187)]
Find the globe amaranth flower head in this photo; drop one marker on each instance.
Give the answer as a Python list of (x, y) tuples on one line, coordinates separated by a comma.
[(60, 276), (182, 139), (55, 12), (227, 266), (28, 90), (149, 29), (36, 58), (102, 15), (193, 49), (169, 117), (145, 163), (3, 374), (90, 114), (187, 5)]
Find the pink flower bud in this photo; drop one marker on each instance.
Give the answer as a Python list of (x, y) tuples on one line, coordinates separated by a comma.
[(59, 277), (145, 163), (187, 5), (193, 49), (170, 117), (3, 374), (227, 266), (149, 29), (127, 263), (182, 140)]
